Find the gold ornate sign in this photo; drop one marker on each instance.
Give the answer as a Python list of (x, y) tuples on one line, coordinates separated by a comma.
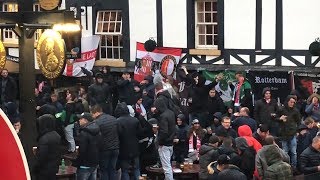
[(2, 56), (50, 54), (49, 4)]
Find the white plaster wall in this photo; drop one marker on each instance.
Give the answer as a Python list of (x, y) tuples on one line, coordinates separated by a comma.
[(268, 27), (88, 13), (301, 23), (174, 16), (143, 23), (239, 24)]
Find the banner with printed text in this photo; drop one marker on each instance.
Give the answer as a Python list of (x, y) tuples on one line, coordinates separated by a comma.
[(89, 47)]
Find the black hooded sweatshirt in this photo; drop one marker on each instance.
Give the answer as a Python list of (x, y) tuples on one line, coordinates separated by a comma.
[(48, 154), (167, 123), (89, 139)]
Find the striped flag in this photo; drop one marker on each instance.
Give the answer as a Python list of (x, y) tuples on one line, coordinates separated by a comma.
[(89, 47), (166, 58)]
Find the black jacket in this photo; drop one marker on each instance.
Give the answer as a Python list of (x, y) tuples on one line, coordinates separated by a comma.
[(207, 154), (309, 160), (48, 152), (126, 91), (231, 173), (263, 110), (10, 91), (215, 104), (109, 132), (129, 131), (89, 139), (180, 149), (166, 122), (98, 93)]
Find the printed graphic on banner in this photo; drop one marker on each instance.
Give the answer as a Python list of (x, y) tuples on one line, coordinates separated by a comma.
[(89, 47), (279, 83), (307, 84), (163, 58)]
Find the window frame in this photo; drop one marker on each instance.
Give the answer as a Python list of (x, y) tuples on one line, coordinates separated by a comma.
[(14, 38), (213, 23), (116, 37)]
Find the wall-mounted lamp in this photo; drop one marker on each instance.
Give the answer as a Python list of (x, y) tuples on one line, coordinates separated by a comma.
[(68, 27)]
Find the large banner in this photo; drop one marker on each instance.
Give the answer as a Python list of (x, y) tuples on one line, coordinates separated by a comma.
[(89, 47), (279, 83), (162, 58), (307, 84)]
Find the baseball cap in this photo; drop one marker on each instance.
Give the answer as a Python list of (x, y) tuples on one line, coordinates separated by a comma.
[(86, 116)]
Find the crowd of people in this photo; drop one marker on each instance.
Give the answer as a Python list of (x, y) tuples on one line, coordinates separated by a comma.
[(121, 127)]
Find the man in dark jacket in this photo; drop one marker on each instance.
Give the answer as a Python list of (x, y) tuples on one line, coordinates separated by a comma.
[(126, 89), (99, 93), (261, 134), (89, 138), (226, 126), (8, 86), (232, 172), (265, 111), (243, 118), (167, 130), (289, 118), (48, 154), (129, 130), (208, 153), (310, 159), (109, 147), (214, 103), (180, 148)]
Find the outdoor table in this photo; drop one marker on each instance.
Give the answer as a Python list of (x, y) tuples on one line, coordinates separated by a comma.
[(68, 173), (192, 172)]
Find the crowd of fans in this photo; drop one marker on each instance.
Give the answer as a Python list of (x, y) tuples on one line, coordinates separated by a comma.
[(121, 127)]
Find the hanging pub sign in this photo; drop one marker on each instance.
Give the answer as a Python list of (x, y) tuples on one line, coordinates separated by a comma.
[(49, 5), (2, 55), (73, 44), (51, 54)]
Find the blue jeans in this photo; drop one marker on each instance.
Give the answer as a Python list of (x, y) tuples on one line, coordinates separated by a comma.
[(107, 164), (291, 145), (125, 165), (165, 153), (68, 131), (87, 174)]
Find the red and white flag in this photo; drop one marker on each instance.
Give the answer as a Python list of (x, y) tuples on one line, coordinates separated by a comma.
[(167, 57), (89, 47)]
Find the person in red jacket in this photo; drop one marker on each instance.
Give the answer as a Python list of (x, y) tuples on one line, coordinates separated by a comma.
[(245, 132)]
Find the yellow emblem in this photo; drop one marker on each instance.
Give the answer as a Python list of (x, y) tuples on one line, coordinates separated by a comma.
[(50, 54), (2, 56)]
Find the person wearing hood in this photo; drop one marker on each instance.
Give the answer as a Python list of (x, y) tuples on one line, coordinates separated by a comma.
[(88, 155), (246, 160), (199, 96), (265, 111), (129, 130), (277, 168), (99, 93), (8, 88), (208, 153), (167, 131), (289, 119), (261, 161), (245, 132), (180, 147), (48, 154)]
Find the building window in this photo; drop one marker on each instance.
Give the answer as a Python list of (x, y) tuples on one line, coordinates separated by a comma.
[(206, 24), (37, 34), (109, 26), (8, 34)]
